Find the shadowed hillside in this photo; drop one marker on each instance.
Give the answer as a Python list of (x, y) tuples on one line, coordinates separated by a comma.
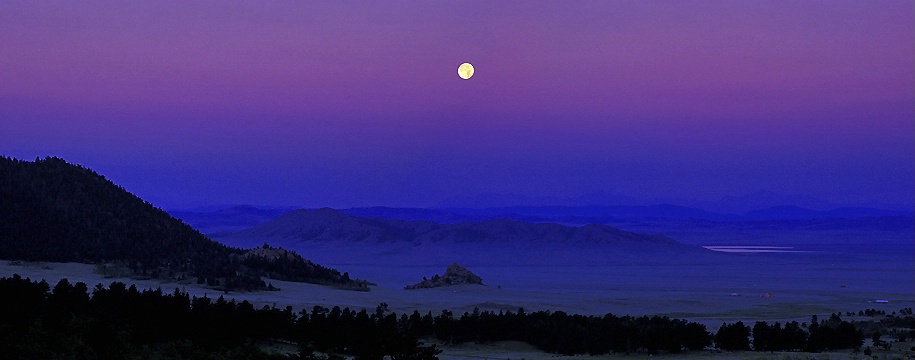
[(331, 225), (54, 211)]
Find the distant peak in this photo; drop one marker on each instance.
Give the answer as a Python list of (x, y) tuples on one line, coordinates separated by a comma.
[(244, 207), (326, 211), (322, 213)]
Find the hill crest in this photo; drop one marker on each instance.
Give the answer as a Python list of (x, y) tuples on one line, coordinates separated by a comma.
[(327, 225), (54, 211)]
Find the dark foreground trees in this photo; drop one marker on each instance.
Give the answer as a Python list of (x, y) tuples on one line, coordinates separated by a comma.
[(122, 322), (831, 334), (733, 337), (558, 332)]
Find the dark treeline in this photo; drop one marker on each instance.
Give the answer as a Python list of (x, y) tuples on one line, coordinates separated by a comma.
[(120, 322), (898, 326), (54, 211), (561, 333), (71, 321), (820, 335)]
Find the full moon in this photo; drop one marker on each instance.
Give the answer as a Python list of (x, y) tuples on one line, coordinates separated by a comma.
[(465, 71)]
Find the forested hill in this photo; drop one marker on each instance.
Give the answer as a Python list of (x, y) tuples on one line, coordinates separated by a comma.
[(54, 211)]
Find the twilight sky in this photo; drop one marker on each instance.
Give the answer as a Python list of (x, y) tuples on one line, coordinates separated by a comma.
[(343, 103)]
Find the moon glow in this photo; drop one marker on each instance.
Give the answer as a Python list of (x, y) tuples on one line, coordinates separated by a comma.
[(465, 71)]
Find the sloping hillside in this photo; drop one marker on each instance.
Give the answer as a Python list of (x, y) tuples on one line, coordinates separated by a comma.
[(54, 211), (324, 225)]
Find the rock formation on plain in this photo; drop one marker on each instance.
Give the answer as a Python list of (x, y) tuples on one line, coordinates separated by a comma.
[(454, 275)]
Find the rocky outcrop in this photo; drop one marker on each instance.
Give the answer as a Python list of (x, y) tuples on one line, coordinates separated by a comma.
[(454, 275), (269, 253)]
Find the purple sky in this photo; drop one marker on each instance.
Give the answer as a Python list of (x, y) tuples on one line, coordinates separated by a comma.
[(342, 104)]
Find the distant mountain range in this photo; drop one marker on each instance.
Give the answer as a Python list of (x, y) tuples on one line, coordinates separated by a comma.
[(54, 211), (232, 218), (666, 211), (798, 213), (726, 205), (328, 225), (242, 217)]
